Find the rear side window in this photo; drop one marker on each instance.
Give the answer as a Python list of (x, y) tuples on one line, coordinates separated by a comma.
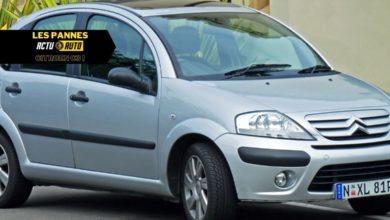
[(61, 22)]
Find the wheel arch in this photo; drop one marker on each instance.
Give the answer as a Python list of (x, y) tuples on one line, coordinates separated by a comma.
[(176, 155), (9, 129)]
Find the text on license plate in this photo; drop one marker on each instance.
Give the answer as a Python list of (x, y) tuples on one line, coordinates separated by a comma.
[(362, 189)]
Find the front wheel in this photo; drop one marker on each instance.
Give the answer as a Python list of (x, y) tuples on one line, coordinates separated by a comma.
[(207, 190), (377, 205)]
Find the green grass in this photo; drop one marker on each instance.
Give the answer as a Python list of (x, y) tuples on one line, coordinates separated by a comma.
[(12, 10)]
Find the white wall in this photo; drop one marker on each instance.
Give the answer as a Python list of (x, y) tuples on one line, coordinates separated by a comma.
[(354, 35)]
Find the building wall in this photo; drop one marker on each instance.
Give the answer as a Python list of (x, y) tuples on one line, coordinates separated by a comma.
[(354, 35)]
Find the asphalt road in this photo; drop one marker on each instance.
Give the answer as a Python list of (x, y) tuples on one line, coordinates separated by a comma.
[(58, 203)]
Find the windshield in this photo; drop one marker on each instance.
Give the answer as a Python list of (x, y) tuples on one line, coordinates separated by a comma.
[(212, 46)]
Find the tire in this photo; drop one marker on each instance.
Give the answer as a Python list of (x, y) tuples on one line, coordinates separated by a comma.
[(14, 188), (378, 205), (212, 181)]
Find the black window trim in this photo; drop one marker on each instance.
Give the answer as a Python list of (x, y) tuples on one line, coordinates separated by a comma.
[(141, 56)]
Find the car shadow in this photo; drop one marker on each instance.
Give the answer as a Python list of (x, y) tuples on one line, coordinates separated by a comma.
[(126, 206), (120, 205), (286, 212)]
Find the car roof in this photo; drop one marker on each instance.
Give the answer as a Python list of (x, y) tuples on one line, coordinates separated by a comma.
[(156, 4), (142, 8), (165, 7)]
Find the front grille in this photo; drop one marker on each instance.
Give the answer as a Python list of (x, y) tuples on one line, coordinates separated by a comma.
[(327, 176), (351, 125)]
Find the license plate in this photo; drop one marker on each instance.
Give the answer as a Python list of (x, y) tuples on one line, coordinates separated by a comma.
[(362, 189)]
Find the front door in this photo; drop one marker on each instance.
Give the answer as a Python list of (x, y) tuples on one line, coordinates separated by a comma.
[(114, 129)]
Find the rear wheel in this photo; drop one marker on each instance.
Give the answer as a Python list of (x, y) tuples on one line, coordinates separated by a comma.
[(14, 188), (207, 190), (377, 205)]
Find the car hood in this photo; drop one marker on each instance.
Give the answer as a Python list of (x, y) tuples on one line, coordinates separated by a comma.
[(307, 94)]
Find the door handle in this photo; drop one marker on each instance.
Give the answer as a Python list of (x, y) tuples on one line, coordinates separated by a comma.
[(14, 88), (79, 97)]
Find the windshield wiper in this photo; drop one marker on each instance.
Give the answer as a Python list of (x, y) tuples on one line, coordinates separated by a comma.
[(255, 69), (315, 69)]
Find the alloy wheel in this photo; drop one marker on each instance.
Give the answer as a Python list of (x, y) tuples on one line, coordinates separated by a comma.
[(195, 187), (4, 170)]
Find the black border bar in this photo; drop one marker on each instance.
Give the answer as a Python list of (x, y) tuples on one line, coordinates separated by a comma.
[(279, 158)]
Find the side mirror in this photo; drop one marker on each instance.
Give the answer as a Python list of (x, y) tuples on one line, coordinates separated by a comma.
[(121, 76)]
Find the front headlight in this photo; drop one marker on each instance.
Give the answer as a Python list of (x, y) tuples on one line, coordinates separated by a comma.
[(270, 124)]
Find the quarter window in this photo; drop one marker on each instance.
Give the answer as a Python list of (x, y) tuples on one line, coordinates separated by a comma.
[(131, 51)]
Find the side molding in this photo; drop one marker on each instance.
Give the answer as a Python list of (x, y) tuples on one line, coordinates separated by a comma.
[(84, 136)]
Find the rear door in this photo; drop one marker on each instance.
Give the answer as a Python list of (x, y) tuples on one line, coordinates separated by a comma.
[(35, 98), (114, 128)]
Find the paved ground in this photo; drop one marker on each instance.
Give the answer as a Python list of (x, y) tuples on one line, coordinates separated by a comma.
[(58, 203)]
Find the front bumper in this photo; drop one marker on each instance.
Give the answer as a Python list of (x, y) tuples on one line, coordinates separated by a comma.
[(255, 182)]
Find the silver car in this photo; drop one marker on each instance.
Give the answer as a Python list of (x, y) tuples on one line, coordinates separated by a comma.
[(205, 103)]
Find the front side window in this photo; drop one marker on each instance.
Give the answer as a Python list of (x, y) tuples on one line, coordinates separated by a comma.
[(61, 22), (216, 45), (131, 51)]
